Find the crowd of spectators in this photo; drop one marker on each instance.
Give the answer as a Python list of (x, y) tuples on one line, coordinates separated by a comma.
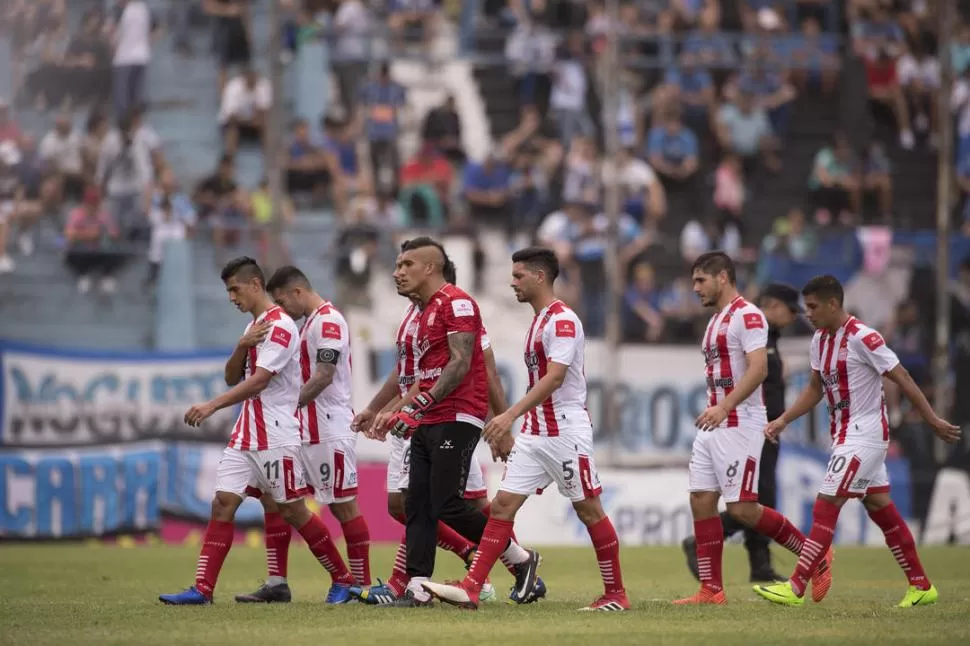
[(699, 132)]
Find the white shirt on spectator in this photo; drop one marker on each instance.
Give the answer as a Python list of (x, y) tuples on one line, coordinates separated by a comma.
[(694, 240), (352, 22), (239, 101), (926, 71), (960, 105), (164, 228), (531, 47), (569, 86), (636, 176), (554, 229), (63, 153), (128, 171), (133, 33)]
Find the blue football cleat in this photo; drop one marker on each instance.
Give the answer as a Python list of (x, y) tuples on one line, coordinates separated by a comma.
[(376, 595), (338, 594), (538, 592), (188, 597)]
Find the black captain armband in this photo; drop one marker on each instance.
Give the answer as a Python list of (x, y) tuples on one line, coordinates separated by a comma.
[(328, 355)]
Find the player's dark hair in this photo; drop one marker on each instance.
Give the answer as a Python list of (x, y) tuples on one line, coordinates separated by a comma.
[(244, 268), (539, 259), (424, 241), (288, 276), (713, 263), (825, 288), (449, 271)]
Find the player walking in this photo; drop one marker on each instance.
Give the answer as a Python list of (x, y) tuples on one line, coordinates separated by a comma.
[(329, 446), (264, 450), (556, 443), (849, 360), (726, 453), (386, 402), (445, 418)]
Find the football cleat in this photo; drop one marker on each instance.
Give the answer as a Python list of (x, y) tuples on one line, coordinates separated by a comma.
[(526, 574), (266, 593), (376, 595), (453, 593), (338, 594), (704, 596), (822, 579), (780, 593), (608, 603), (538, 592), (918, 597), (409, 601), (487, 593), (188, 597)]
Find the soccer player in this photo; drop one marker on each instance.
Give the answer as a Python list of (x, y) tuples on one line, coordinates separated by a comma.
[(387, 401), (556, 443), (725, 456), (781, 308), (329, 446), (849, 360), (445, 418), (264, 450)]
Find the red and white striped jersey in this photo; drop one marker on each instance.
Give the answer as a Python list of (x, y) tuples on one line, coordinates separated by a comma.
[(557, 335), (851, 362), (407, 348), (325, 338), (268, 420), (733, 332)]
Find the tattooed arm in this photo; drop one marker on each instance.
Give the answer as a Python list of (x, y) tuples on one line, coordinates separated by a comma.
[(461, 345), (317, 382)]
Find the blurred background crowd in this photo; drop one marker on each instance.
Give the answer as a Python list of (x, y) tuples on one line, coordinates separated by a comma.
[(802, 136)]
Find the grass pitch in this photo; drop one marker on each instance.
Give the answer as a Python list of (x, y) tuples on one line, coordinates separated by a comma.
[(78, 595)]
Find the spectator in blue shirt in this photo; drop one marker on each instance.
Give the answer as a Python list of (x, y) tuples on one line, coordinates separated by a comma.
[(488, 187), (816, 56), (770, 92), (695, 86), (642, 320), (712, 48), (672, 151), (378, 108)]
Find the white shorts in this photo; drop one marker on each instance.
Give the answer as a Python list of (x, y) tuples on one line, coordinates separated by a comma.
[(536, 462), (855, 471), (728, 461), (331, 469), (278, 472), (399, 471)]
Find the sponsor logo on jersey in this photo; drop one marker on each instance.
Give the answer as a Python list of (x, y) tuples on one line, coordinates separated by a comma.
[(753, 321), (462, 307), (873, 341), (330, 330), (565, 328), (430, 373), (281, 336)]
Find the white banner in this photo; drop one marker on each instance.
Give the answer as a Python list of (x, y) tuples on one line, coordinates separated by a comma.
[(59, 398)]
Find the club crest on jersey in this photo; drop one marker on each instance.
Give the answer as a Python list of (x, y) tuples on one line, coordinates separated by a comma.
[(843, 354), (281, 336), (432, 316)]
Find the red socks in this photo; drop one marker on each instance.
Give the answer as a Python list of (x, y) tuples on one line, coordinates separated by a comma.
[(509, 565), (449, 539), (357, 537), (775, 526), (709, 534), (399, 573), (901, 544), (495, 540), (215, 547), (277, 544), (315, 533), (825, 516), (607, 547)]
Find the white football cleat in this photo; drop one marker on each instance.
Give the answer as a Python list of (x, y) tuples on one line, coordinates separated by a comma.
[(454, 595)]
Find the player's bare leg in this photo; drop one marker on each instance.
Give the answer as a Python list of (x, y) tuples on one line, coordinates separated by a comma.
[(710, 544), (356, 537), (318, 539), (215, 547), (277, 533), (900, 541), (607, 547), (496, 540)]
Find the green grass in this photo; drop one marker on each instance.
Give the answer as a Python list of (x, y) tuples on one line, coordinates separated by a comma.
[(78, 595)]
